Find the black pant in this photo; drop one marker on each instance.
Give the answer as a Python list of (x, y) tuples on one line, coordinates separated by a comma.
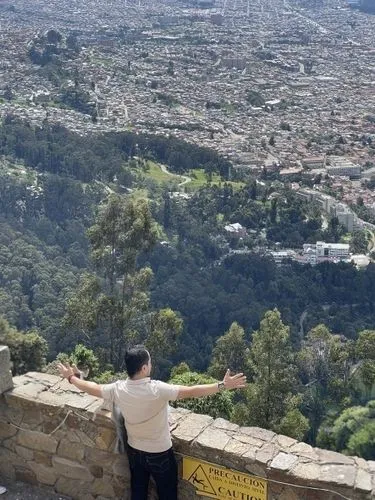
[(161, 466)]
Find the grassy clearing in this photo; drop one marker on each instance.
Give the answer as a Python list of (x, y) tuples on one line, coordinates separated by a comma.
[(17, 170), (200, 179), (155, 173), (140, 194)]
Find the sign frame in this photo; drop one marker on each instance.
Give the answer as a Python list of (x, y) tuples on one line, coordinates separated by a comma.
[(215, 481)]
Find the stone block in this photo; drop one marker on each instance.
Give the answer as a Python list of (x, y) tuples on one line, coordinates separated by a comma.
[(25, 453), (244, 438), (84, 438), (266, 453), (212, 438), (176, 414), (25, 475), (337, 474), (236, 448), (103, 487), (43, 378), (6, 382), (40, 457), (225, 425), (284, 441), (256, 469), (105, 438), (250, 455), (283, 461), (76, 400), (362, 463), (306, 472), (101, 457), (72, 437), (188, 430), (304, 450), (14, 415), (7, 430), (332, 457), (70, 487), (4, 358), (210, 444), (37, 441), (9, 444), (74, 451), (363, 481), (7, 471), (70, 469), (258, 433), (44, 474), (28, 391), (96, 471), (9, 457), (32, 417)]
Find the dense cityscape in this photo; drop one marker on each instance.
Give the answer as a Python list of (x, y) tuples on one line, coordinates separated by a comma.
[(274, 84), (197, 176)]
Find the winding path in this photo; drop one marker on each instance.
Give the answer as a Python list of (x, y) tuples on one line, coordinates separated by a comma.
[(185, 177)]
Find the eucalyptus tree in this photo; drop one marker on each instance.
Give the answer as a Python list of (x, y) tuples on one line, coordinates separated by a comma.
[(112, 307)]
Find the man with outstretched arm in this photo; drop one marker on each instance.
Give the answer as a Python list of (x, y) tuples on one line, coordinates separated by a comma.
[(144, 405)]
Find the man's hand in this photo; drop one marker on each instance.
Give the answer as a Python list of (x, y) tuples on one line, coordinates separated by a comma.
[(197, 391), (236, 382), (90, 387), (66, 370)]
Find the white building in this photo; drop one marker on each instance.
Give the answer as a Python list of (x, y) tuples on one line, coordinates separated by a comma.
[(321, 251), (334, 250), (283, 255), (236, 229), (342, 166)]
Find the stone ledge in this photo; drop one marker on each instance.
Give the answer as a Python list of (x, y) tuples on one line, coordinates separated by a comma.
[(79, 457), (6, 382)]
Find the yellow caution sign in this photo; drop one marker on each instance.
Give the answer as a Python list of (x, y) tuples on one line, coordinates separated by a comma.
[(211, 480)]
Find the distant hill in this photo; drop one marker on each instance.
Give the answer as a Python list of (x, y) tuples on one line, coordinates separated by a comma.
[(364, 5), (368, 6)]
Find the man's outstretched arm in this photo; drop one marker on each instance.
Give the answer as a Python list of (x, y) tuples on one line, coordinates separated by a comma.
[(70, 373), (196, 391)]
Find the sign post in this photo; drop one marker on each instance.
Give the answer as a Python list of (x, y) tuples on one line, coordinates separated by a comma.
[(214, 481)]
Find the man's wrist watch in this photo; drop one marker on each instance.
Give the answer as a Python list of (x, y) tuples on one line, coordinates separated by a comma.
[(221, 385)]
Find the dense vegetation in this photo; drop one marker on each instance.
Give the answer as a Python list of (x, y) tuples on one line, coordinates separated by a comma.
[(54, 149), (88, 273)]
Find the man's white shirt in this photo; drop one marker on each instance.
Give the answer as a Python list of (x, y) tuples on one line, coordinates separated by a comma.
[(144, 405)]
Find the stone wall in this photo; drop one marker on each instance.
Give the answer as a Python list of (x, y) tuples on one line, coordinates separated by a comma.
[(52, 434), (6, 382)]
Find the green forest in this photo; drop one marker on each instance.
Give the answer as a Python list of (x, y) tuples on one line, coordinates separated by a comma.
[(96, 256)]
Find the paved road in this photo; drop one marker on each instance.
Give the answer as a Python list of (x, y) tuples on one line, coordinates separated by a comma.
[(23, 491)]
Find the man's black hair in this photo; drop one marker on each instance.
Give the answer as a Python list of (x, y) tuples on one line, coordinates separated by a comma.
[(135, 358)]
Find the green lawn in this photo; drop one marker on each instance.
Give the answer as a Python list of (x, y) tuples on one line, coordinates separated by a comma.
[(199, 179), (155, 172)]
